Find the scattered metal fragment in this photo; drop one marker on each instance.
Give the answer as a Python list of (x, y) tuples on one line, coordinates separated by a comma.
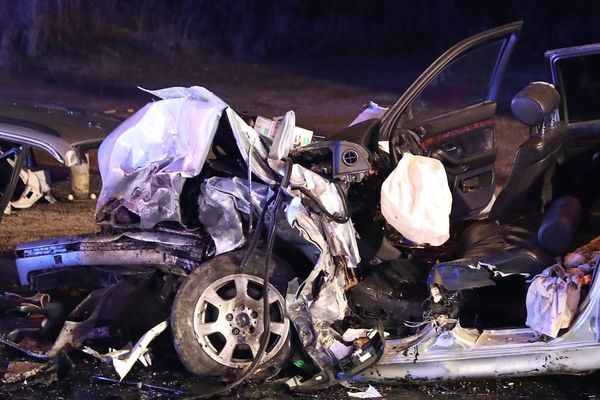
[(107, 357), (138, 384), (32, 347), (124, 362), (368, 393), (18, 371)]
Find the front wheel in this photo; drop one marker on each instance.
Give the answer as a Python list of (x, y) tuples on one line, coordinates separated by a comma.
[(217, 317)]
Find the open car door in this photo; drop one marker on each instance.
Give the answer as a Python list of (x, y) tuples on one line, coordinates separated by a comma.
[(450, 108), (575, 72)]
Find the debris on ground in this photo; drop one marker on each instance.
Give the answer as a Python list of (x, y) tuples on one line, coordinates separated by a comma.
[(368, 393)]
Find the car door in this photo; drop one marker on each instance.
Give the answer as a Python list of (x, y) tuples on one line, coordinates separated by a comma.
[(450, 108), (575, 71)]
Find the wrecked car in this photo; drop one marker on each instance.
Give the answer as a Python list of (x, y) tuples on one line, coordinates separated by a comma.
[(37, 137), (387, 251)]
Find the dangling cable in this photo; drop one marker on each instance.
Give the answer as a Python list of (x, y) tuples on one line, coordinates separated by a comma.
[(251, 206), (266, 278)]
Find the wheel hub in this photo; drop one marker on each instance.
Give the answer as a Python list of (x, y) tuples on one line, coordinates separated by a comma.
[(242, 320)]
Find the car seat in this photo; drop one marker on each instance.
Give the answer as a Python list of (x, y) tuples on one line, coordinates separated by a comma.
[(534, 106), (491, 249)]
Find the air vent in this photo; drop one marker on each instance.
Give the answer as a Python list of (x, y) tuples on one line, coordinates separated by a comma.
[(350, 157)]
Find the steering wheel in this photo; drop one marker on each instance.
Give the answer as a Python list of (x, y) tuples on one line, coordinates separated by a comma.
[(402, 141)]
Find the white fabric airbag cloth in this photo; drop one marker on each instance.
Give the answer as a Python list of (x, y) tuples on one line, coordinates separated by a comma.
[(416, 200)]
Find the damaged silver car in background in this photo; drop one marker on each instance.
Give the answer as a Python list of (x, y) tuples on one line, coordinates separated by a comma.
[(35, 138), (387, 253)]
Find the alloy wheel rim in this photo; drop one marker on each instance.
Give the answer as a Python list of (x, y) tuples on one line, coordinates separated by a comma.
[(228, 320)]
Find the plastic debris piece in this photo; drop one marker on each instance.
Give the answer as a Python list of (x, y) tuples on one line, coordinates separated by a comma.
[(284, 137), (340, 350), (124, 363), (112, 353), (294, 136), (369, 393), (21, 370), (36, 187), (352, 334), (371, 111)]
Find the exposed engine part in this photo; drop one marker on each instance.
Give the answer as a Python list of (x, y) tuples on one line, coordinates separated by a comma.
[(339, 159)]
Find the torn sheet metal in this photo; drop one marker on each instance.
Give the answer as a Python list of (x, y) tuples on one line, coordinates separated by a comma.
[(124, 359), (340, 236), (124, 362), (552, 300), (371, 111), (314, 310), (368, 393), (467, 274), (330, 238), (219, 206), (144, 162), (223, 199), (314, 313), (250, 146)]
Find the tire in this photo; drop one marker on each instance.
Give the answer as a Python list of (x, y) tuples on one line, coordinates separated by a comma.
[(217, 328)]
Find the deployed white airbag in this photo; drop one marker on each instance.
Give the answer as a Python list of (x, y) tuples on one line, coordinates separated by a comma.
[(416, 200)]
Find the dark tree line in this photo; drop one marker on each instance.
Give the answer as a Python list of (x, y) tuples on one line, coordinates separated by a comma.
[(261, 28)]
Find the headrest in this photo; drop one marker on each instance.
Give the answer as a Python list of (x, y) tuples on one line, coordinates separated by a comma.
[(534, 103)]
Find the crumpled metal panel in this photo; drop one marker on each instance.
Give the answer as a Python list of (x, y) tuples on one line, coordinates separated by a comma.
[(219, 206), (251, 148), (144, 162), (313, 316), (224, 203)]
